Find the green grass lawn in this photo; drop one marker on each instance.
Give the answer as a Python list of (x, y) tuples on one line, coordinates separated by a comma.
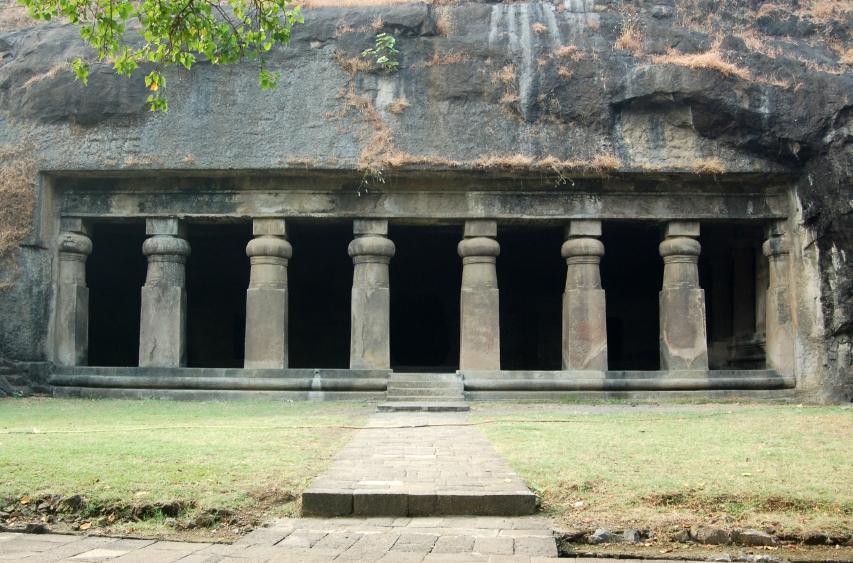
[(784, 468), (236, 455)]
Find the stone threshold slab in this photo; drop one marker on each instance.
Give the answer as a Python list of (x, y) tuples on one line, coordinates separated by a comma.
[(402, 406)]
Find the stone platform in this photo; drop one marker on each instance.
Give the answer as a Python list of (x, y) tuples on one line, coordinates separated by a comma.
[(418, 464)]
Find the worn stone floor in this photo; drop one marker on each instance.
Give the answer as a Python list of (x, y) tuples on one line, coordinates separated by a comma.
[(519, 539), (417, 464)]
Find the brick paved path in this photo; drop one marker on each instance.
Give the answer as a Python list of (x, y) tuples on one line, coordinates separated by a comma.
[(492, 539), (442, 468)]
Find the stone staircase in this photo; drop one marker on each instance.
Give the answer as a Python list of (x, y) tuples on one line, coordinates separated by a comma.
[(432, 392)]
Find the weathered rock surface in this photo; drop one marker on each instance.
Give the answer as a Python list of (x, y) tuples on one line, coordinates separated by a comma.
[(481, 80), (709, 535)]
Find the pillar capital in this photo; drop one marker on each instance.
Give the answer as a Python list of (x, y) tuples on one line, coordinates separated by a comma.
[(480, 228), (74, 246), (371, 248), (582, 250), (273, 226), (269, 249), (165, 226)]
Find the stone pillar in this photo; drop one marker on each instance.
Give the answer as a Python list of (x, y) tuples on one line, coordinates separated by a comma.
[(370, 333), (683, 343), (266, 298), (761, 280), (162, 331), (479, 330), (780, 331), (72, 297), (584, 311)]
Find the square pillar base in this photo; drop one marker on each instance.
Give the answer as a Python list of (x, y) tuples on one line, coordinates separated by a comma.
[(266, 328), (584, 330), (162, 334), (370, 339), (480, 335), (683, 342)]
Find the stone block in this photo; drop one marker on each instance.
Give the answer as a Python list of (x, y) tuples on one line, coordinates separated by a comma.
[(165, 226), (274, 226), (328, 503), (536, 546), (370, 338), (454, 544), (752, 538), (480, 330), (162, 328), (266, 328), (74, 225), (683, 341), (682, 229), (370, 227), (72, 324), (481, 228), (378, 503), (584, 330), (583, 228), (494, 546), (422, 504)]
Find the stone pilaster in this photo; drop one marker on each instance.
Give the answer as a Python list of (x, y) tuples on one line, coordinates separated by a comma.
[(162, 331), (683, 342), (266, 297), (72, 297), (370, 333), (479, 346), (778, 324), (584, 310)]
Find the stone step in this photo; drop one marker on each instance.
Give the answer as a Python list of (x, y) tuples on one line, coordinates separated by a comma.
[(423, 406), (426, 392), (370, 502), (424, 384), (422, 398)]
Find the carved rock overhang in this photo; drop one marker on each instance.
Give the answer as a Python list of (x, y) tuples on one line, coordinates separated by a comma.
[(415, 195)]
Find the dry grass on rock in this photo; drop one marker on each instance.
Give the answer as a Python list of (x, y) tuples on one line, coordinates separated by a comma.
[(709, 60), (17, 194)]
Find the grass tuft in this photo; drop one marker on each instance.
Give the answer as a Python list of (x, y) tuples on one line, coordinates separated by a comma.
[(709, 60)]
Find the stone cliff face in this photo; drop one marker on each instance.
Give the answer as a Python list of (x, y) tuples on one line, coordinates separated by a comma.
[(565, 87)]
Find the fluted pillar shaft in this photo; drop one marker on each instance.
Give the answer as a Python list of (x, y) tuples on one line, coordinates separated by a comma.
[(72, 298), (683, 340), (778, 323), (162, 331), (266, 298), (584, 309), (370, 333), (479, 347)]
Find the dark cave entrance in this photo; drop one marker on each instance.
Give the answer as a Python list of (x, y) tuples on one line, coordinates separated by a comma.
[(426, 274), (115, 273), (319, 289), (734, 273), (531, 278), (217, 278), (631, 274)]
